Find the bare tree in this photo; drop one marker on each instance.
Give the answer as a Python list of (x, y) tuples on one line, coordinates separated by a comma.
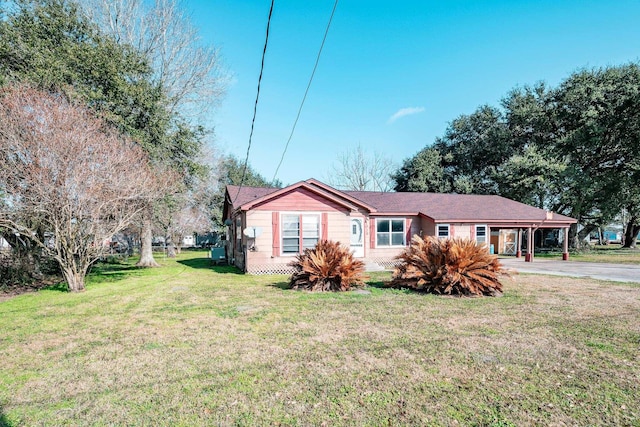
[(67, 179), (361, 170), (187, 69)]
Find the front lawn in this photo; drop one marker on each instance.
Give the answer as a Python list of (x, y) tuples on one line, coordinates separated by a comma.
[(188, 344)]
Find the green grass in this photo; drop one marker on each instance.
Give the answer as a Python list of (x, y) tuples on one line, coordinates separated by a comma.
[(613, 254), (188, 344)]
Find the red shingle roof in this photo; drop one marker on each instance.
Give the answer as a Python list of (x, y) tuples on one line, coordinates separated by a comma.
[(459, 207), (439, 207), (247, 194)]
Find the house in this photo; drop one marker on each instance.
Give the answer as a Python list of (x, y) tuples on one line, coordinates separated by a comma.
[(267, 227)]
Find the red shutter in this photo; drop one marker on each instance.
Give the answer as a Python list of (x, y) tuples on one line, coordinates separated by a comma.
[(275, 231), (372, 232), (408, 231), (472, 232), (325, 226), (451, 230)]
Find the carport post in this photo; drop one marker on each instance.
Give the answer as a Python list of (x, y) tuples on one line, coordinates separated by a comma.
[(519, 249), (529, 255), (565, 245)]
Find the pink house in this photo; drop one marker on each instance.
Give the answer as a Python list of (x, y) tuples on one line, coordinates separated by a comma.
[(267, 227)]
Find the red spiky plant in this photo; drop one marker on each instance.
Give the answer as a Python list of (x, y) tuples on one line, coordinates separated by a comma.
[(449, 266), (328, 266)]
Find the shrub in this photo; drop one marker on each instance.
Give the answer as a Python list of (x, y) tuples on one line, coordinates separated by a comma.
[(26, 270), (328, 266), (450, 266)]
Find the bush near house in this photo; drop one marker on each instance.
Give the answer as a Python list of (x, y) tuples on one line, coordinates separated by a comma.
[(328, 266), (449, 266)]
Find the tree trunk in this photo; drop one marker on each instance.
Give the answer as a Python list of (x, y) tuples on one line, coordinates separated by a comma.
[(577, 239), (146, 241), (171, 248), (75, 279), (631, 232)]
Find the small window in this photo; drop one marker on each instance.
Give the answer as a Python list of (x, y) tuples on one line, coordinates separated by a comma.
[(443, 231), (481, 233), (390, 232)]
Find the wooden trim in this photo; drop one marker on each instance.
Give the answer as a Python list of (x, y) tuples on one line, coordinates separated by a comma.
[(325, 226), (275, 230), (372, 229), (437, 230)]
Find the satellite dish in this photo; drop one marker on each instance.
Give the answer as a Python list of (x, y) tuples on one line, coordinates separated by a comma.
[(252, 232)]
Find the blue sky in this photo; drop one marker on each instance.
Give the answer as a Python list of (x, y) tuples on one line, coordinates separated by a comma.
[(392, 74)]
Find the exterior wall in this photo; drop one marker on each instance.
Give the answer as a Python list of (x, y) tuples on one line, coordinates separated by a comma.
[(428, 227), (385, 255), (262, 258), (461, 231), (339, 224)]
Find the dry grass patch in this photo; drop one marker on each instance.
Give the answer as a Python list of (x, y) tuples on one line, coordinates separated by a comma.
[(187, 345)]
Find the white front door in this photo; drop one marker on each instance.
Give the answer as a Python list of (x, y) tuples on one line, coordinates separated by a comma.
[(357, 237)]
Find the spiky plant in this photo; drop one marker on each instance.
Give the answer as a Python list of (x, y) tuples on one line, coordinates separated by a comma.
[(328, 266), (450, 266)]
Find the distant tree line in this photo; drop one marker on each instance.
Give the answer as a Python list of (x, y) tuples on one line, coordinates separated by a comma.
[(573, 149)]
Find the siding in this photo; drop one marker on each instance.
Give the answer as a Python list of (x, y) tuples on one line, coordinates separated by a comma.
[(385, 255), (428, 227), (263, 258), (301, 199), (463, 231)]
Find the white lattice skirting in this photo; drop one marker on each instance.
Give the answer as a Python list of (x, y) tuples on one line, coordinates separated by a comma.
[(387, 263), (270, 269)]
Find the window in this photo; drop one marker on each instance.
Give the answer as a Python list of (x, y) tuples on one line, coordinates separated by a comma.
[(481, 233), (296, 238), (443, 231), (390, 232)]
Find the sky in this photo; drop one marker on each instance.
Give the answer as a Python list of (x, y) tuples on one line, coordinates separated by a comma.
[(392, 74)]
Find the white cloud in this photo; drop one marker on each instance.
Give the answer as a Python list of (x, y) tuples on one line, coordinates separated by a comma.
[(404, 112)]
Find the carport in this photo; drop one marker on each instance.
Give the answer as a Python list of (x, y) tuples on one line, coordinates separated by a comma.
[(511, 243)]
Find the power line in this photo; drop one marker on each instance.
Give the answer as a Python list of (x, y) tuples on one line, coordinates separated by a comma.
[(305, 92), (255, 106)]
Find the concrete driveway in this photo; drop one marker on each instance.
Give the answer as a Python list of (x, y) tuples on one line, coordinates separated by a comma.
[(600, 271)]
